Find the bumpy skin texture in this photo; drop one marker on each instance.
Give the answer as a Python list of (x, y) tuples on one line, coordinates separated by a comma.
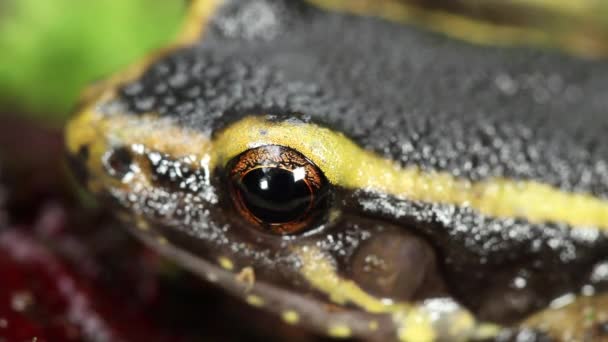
[(412, 96), (420, 99)]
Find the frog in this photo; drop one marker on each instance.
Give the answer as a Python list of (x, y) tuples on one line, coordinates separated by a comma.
[(361, 174)]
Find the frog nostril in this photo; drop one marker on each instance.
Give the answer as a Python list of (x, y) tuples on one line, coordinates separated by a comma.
[(396, 266), (118, 162)]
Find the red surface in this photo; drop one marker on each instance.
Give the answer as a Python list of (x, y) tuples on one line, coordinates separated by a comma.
[(42, 298)]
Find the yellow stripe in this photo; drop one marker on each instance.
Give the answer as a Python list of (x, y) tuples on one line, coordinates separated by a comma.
[(199, 14), (101, 133), (343, 163), (573, 321), (572, 35), (318, 270), (346, 164), (566, 7), (414, 322)]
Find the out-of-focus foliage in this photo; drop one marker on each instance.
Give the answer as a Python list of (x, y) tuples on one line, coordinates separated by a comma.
[(50, 49)]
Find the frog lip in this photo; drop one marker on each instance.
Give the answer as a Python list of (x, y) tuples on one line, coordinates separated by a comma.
[(313, 313)]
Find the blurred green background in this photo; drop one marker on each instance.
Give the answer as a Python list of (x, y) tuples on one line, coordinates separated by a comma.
[(50, 49)]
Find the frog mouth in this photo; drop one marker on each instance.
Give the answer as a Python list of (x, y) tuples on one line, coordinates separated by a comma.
[(337, 306), (350, 310), (378, 319), (292, 308), (96, 143)]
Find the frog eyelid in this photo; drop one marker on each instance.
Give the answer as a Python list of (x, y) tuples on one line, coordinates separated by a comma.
[(347, 165)]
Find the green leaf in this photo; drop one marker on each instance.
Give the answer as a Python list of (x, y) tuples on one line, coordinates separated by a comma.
[(50, 50)]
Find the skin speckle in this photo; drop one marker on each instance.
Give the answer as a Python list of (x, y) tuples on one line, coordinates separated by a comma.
[(142, 225), (247, 277), (339, 331), (461, 323), (290, 317), (415, 327), (212, 277), (225, 263), (373, 325), (254, 300)]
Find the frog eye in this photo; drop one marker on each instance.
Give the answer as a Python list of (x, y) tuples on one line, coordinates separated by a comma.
[(277, 189)]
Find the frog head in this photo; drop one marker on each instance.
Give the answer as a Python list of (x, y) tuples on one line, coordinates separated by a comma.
[(350, 174)]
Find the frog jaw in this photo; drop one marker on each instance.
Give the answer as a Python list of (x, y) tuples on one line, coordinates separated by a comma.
[(104, 132), (369, 318)]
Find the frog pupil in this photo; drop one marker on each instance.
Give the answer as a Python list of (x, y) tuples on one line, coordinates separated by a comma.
[(275, 195)]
